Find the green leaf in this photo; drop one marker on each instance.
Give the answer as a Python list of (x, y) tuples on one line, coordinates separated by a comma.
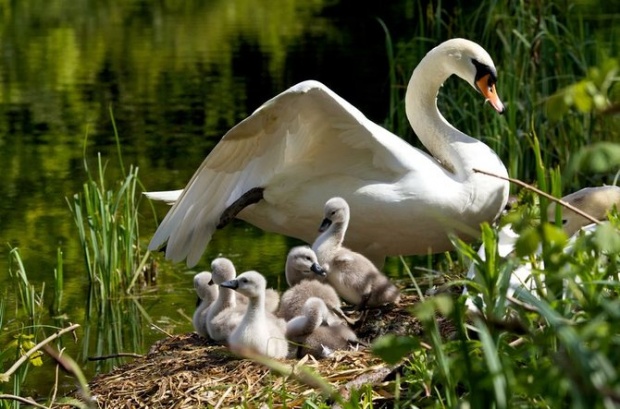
[(556, 107), (36, 358), (442, 303), (607, 239), (554, 235), (392, 348), (528, 242), (582, 95), (601, 157)]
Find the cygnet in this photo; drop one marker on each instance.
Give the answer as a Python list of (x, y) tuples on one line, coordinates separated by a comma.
[(312, 333), (206, 295), (258, 331), (355, 277), (306, 278), (225, 313), (272, 298)]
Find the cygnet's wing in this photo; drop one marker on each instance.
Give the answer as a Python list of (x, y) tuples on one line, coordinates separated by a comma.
[(308, 128), (344, 258)]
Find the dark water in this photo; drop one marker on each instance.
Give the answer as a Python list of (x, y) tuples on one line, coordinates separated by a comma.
[(176, 77)]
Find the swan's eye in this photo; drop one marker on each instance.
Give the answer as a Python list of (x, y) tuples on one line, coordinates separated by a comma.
[(244, 280), (483, 70), (564, 221)]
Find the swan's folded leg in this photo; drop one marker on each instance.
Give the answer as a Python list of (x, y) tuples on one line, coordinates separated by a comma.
[(252, 196)]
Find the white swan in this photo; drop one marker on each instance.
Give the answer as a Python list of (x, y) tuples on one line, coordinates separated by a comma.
[(354, 277), (595, 201), (207, 293), (308, 144), (259, 330)]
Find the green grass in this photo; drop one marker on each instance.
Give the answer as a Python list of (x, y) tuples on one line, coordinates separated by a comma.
[(107, 222), (106, 215)]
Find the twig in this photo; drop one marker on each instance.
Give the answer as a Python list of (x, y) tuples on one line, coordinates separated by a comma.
[(517, 342), (522, 304), (169, 335), (56, 379), (540, 192), (72, 368), (24, 400), (5, 376), (119, 355)]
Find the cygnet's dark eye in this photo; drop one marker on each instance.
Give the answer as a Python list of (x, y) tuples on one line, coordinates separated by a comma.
[(564, 221), (244, 280)]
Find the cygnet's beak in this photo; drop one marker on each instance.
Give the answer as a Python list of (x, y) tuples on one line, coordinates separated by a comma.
[(324, 225), (317, 269), (234, 284)]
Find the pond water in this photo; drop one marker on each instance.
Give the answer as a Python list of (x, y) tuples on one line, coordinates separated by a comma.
[(176, 76)]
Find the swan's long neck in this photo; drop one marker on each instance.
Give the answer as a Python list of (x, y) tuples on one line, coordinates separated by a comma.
[(433, 130)]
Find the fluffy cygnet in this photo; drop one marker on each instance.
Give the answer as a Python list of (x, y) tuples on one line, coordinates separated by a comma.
[(595, 201), (314, 336), (259, 331), (355, 278), (207, 294), (306, 279), (225, 313), (272, 300)]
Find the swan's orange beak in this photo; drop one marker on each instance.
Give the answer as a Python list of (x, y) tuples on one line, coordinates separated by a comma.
[(488, 90)]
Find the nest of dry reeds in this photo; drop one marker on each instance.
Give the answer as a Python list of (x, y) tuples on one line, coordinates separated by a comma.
[(188, 371)]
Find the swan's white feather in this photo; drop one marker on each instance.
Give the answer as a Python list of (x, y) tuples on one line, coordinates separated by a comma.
[(168, 196), (307, 131), (306, 145)]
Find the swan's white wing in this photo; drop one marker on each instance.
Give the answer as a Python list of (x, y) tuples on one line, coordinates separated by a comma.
[(307, 130), (168, 196)]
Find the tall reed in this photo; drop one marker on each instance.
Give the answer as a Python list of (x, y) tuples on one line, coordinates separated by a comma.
[(29, 311), (106, 216)]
